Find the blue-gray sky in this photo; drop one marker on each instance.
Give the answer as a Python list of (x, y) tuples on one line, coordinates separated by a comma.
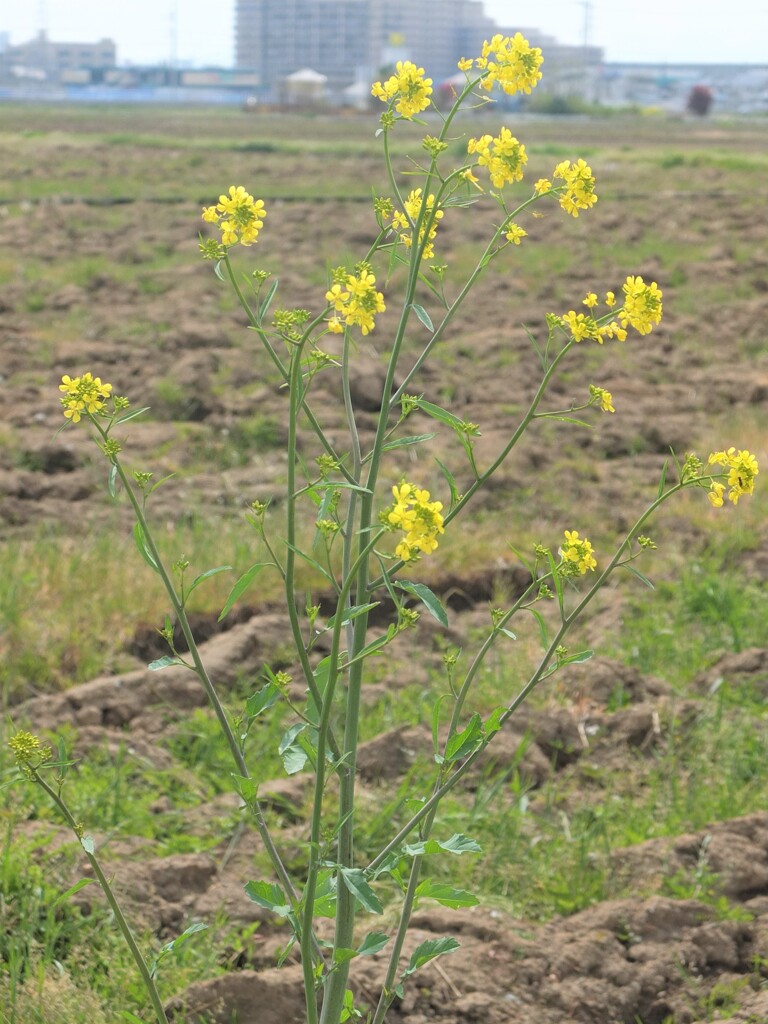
[(201, 31)]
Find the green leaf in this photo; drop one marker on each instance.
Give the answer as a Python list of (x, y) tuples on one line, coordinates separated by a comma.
[(160, 482), (131, 415), (465, 742), (427, 598), (446, 895), (493, 722), (131, 1018), (112, 481), (141, 544), (508, 633), (577, 659), (164, 662), (206, 575), (440, 414), (87, 844), (354, 879), (241, 586), (436, 725), (403, 442), (247, 788), (563, 419), (542, 626), (218, 271), (427, 951), (72, 890), (325, 895), (450, 480), (372, 943), (295, 759), (348, 614), (457, 844), (264, 307), (423, 315), (343, 956), (643, 578), (262, 700), (270, 896), (663, 481), (311, 561)]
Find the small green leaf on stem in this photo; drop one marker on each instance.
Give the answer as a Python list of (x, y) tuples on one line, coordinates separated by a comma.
[(427, 598), (268, 895), (427, 951), (164, 662), (423, 315), (372, 943), (354, 879), (446, 895), (207, 575), (463, 743), (641, 576), (141, 544), (72, 890), (241, 586)]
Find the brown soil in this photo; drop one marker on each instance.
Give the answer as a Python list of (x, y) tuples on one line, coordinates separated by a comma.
[(622, 961)]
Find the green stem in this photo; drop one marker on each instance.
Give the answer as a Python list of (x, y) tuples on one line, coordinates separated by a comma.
[(149, 982)]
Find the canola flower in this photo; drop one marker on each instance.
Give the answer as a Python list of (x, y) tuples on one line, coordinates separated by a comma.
[(419, 518), (412, 208), (355, 299), (642, 310), (409, 86), (83, 395), (742, 469), (642, 305), (239, 216), (509, 62), (605, 398), (577, 553), (579, 191), (503, 156)]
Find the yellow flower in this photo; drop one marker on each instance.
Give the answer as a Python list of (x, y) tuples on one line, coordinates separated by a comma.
[(613, 330), (419, 518), (83, 394), (541, 186), (335, 325), (515, 234), (409, 85), (503, 156), (579, 190), (581, 326), (716, 493), (742, 469), (243, 216), (590, 301), (464, 64), (604, 397), (642, 305), (413, 206), (357, 301), (511, 62), (577, 552), (610, 300)]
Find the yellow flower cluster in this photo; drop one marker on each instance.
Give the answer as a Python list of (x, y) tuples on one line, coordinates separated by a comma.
[(509, 61), (84, 394), (605, 398), (419, 518), (579, 192), (515, 234), (642, 305), (356, 300), (641, 310), (577, 552), (504, 156), (240, 217), (412, 209), (742, 470), (409, 85)]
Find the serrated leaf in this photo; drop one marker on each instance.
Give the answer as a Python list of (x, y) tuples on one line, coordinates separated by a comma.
[(446, 895), (427, 951), (262, 700), (72, 890), (423, 315), (643, 578), (141, 544), (241, 586), (430, 601), (343, 956), (372, 943), (267, 302), (294, 759), (268, 895), (403, 442), (354, 879), (457, 844), (207, 575), (164, 662), (325, 895), (465, 742)]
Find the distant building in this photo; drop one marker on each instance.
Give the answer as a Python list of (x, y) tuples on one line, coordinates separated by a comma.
[(357, 41), (43, 58), (736, 88)]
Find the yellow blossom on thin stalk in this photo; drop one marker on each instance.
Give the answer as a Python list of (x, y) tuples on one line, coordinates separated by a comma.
[(577, 552), (605, 398), (357, 301), (515, 234), (409, 85), (511, 62), (83, 395), (402, 220), (503, 156), (579, 191), (642, 305), (541, 186), (239, 216), (742, 469), (419, 518)]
